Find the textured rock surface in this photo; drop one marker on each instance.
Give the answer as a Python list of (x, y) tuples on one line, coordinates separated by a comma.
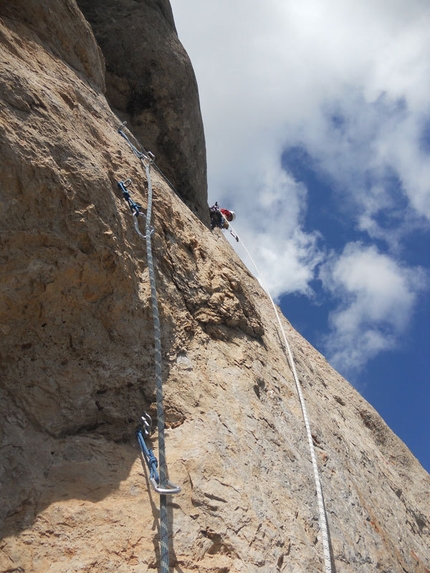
[(77, 359), (151, 84)]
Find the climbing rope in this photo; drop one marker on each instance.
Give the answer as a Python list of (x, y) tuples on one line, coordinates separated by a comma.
[(160, 482), (322, 516), (147, 160)]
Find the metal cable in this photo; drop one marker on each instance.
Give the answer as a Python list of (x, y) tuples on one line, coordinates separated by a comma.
[(163, 486), (164, 533), (164, 537), (322, 517)]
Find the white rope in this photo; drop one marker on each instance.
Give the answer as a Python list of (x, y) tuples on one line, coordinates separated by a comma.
[(322, 517)]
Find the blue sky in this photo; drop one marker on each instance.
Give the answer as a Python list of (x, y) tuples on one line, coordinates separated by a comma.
[(317, 122)]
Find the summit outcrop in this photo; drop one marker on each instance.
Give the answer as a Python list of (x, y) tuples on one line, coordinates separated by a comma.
[(150, 83)]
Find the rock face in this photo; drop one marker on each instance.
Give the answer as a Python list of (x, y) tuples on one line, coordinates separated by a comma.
[(151, 84), (77, 363)]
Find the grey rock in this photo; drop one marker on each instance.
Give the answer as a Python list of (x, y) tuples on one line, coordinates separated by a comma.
[(151, 84)]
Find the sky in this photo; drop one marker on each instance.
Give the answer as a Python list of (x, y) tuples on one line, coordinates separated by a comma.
[(317, 125)]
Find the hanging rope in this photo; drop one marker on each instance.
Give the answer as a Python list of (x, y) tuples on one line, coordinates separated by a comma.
[(162, 485), (322, 516), (147, 160)]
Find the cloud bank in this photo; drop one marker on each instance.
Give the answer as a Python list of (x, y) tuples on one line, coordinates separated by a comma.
[(349, 82), (377, 297)]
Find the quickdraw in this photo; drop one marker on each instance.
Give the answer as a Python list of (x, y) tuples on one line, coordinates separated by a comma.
[(143, 433)]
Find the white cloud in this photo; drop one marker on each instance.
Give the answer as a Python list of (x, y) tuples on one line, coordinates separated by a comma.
[(284, 254), (399, 146), (267, 75), (375, 142), (377, 297), (275, 75)]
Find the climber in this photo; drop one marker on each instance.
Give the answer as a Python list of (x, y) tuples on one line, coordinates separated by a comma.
[(221, 218)]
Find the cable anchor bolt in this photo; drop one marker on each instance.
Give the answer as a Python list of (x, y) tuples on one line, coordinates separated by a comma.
[(150, 157)]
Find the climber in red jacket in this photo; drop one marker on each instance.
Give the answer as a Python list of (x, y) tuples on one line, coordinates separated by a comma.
[(221, 218)]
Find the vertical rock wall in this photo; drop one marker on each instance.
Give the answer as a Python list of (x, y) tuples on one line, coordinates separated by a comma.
[(76, 363)]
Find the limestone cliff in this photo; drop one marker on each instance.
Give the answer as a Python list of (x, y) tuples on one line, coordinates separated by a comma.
[(151, 84), (77, 363)]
